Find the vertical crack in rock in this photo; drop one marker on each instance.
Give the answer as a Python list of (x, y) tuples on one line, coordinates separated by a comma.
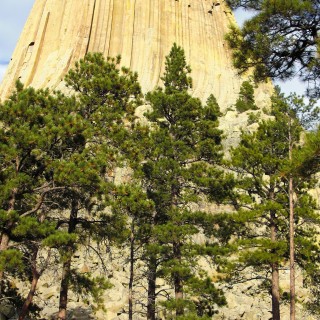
[(110, 21), (91, 25), (133, 32), (38, 49)]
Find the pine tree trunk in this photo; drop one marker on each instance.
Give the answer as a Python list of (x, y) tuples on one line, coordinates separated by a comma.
[(292, 262), (131, 278), (35, 277), (25, 308), (4, 241), (64, 287), (291, 234), (5, 236), (178, 286), (152, 277), (3, 246), (275, 291)]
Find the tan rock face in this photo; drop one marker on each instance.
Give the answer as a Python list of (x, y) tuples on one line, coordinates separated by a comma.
[(60, 32)]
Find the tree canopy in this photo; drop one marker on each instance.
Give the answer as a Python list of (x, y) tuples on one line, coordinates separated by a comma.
[(261, 161), (280, 41), (180, 165)]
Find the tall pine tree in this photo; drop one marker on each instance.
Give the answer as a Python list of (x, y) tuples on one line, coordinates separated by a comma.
[(106, 96), (184, 150), (261, 161)]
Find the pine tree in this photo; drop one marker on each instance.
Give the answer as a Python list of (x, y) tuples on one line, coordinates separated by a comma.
[(55, 154), (131, 202), (260, 162), (106, 97), (246, 101), (25, 149), (30, 144), (280, 41), (180, 164)]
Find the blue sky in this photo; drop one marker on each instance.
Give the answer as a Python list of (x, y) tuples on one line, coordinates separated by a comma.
[(14, 13)]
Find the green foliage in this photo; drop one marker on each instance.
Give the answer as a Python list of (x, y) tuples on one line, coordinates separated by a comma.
[(263, 165), (106, 92), (268, 41), (6, 217), (11, 259), (180, 168), (306, 159), (208, 296), (133, 201), (203, 305), (176, 71), (55, 152), (31, 228), (60, 239), (90, 288), (254, 118), (245, 101), (24, 146)]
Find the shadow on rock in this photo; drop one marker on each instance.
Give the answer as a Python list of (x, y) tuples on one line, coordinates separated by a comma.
[(77, 314)]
